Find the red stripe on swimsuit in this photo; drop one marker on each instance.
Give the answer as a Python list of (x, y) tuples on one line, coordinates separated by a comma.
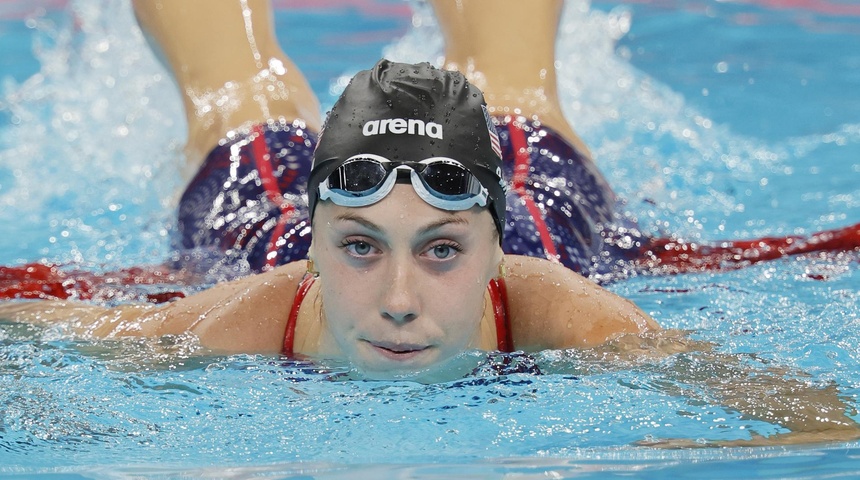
[(263, 161), (522, 164), (498, 296)]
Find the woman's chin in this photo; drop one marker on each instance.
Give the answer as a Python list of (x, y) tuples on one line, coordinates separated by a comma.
[(425, 367)]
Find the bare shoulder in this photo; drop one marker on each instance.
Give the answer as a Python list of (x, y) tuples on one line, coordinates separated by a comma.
[(551, 306), (244, 315)]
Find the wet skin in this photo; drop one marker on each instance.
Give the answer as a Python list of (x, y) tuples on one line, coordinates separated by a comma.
[(402, 283)]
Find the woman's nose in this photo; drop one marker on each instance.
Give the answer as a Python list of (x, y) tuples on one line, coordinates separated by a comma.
[(401, 298)]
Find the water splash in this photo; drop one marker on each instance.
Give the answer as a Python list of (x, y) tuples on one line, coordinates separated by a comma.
[(90, 161)]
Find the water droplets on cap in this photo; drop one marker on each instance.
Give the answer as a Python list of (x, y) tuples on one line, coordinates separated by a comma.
[(432, 99)]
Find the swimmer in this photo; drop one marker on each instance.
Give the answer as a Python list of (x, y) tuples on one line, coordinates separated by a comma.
[(392, 242), (381, 236), (422, 219)]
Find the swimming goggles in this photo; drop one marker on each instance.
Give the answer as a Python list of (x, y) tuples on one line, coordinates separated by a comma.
[(440, 181)]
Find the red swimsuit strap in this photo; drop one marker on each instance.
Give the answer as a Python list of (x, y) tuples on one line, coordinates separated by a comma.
[(290, 333), (498, 295)]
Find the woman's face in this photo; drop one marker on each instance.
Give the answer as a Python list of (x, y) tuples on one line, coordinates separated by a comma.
[(403, 283)]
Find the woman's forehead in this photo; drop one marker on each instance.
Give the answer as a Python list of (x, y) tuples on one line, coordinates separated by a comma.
[(400, 208)]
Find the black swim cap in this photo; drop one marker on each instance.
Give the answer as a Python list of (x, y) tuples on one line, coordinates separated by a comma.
[(407, 112)]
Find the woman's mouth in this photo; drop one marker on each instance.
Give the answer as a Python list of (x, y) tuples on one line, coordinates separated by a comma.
[(398, 351)]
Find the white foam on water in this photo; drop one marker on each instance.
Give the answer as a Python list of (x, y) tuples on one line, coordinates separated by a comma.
[(95, 142)]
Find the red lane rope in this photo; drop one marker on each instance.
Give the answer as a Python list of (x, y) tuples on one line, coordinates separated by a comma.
[(669, 255), (50, 282)]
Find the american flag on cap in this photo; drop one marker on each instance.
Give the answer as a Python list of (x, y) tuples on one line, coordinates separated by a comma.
[(494, 137)]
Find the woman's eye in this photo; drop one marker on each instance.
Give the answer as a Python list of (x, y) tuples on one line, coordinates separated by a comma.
[(359, 248), (442, 252)]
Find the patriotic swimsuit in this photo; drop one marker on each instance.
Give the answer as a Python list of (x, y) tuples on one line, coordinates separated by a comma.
[(247, 205)]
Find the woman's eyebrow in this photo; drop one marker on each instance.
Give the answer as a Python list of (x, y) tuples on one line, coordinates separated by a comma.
[(453, 219), (351, 217)]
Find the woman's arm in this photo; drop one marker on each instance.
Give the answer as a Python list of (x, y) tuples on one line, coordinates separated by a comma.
[(84, 320), (554, 307), (245, 315), (808, 411)]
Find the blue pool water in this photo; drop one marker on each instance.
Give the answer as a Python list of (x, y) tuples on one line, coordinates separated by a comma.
[(712, 119)]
